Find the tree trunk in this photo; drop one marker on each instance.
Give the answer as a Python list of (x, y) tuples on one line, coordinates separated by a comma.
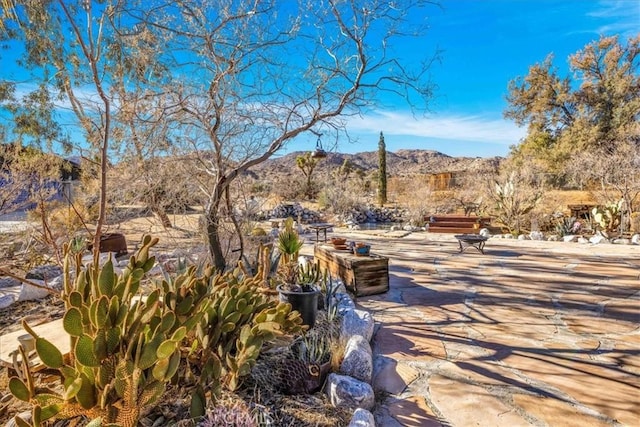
[(213, 236), (162, 215)]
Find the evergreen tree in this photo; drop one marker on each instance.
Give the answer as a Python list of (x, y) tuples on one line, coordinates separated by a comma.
[(382, 171)]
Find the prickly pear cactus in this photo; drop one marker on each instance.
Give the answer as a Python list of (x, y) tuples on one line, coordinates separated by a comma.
[(228, 318), (124, 351)]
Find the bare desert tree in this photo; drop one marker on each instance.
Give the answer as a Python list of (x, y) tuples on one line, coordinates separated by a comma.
[(611, 175), (64, 44), (249, 76)]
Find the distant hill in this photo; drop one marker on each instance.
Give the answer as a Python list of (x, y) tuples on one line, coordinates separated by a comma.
[(399, 163)]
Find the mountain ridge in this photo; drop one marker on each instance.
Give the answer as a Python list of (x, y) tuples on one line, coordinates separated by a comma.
[(403, 162)]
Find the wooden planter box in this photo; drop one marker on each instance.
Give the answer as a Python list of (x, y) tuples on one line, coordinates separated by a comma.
[(362, 275)]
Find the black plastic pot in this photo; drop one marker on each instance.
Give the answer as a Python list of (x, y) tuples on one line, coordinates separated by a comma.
[(304, 302)]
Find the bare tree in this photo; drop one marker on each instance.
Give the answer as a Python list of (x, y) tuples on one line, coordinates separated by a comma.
[(611, 175), (65, 44), (241, 94)]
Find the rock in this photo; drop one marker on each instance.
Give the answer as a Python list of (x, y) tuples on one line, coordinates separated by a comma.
[(553, 238), (523, 237), (362, 418), (597, 239), (345, 303), (8, 282), (346, 392), (484, 232), (621, 242), (357, 322), (6, 300), (44, 272), (358, 359), (508, 236), (29, 292), (536, 235), (635, 239), (583, 240), (570, 238), (57, 283), (25, 416)]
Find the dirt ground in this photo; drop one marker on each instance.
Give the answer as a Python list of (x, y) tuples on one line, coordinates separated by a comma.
[(312, 410)]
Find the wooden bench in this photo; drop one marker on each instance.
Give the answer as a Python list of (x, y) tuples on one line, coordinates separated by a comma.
[(459, 224), (362, 275)]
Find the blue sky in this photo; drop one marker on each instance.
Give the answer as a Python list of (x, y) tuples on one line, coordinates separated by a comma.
[(484, 45)]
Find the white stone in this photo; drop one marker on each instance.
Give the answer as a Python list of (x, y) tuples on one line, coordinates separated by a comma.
[(57, 283), (6, 300), (553, 238), (508, 236), (635, 239), (358, 359), (570, 238), (357, 322), (346, 392), (536, 235), (29, 292), (345, 303), (583, 240), (362, 418), (523, 237), (597, 239), (484, 232)]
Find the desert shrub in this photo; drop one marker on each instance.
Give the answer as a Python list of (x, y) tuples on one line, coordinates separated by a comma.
[(290, 189), (567, 226)]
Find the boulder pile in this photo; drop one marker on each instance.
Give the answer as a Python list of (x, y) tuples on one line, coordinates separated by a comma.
[(295, 211), (373, 214)]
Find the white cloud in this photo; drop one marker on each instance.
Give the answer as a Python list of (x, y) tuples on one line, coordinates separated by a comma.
[(622, 17), (476, 128), (86, 94)]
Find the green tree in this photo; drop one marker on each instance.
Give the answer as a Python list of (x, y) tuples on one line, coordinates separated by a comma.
[(382, 171), (597, 110), (307, 164)]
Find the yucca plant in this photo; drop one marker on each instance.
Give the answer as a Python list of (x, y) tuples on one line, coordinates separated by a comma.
[(289, 242)]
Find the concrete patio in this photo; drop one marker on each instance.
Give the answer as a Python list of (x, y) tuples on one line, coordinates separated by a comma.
[(528, 334)]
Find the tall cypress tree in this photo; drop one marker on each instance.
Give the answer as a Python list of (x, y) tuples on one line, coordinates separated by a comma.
[(382, 171)]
